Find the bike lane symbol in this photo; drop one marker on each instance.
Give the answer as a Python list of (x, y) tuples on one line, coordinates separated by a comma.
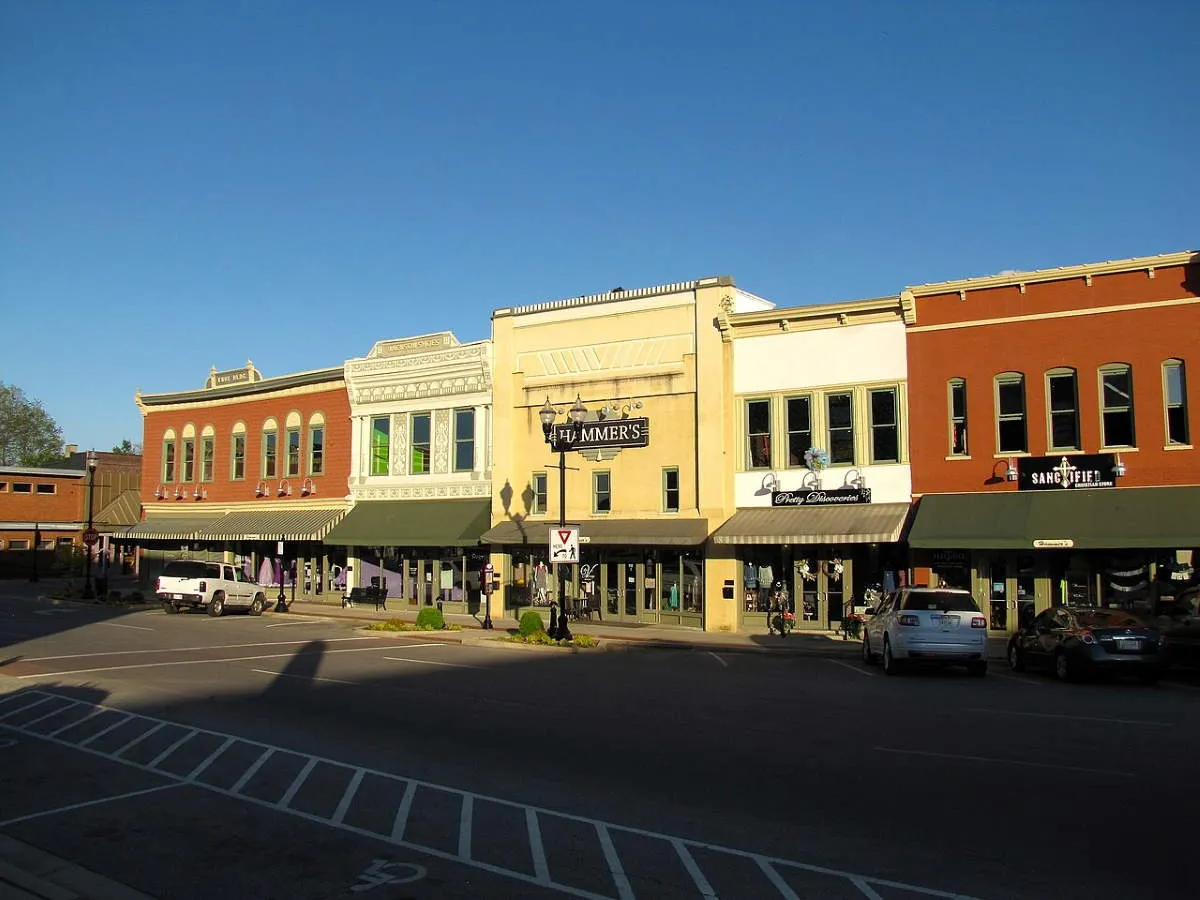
[(383, 871)]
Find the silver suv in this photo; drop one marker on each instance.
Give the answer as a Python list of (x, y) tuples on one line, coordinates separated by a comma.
[(919, 625)]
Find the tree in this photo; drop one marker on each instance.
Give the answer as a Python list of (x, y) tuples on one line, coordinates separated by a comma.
[(128, 448), (28, 436)]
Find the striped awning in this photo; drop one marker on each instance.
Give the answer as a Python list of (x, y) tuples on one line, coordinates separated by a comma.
[(166, 528), (861, 523), (279, 525), (120, 514), (607, 532)]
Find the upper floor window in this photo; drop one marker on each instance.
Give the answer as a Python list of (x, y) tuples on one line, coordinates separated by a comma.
[(885, 426), (601, 492), (420, 438), (1116, 406), (1062, 403), (291, 465), (189, 454), (670, 482), (1175, 402), (47, 489), (799, 428), (957, 388), (168, 456), (540, 500), (839, 410), (758, 433), (22, 487), (1011, 432), (237, 452), (3, 486), (464, 440), (381, 444), (208, 452), (316, 444), (270, 449)]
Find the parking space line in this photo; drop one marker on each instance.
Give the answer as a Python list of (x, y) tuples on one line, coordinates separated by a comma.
[(351, 789), (192, 649), (689, 863), (251, 771), (212, 757), (1105, 720), (620, 879), (401, 820), (541, 868), (301, 677), (141, 737), (61, 728), (1007, 762), (430, 662), (120, 625), (785, 889), (171, 749), (87, 803), (718, 659), (26, 706), (869, 892), (106, 729), (299, 780), (466, 814), (852, 668), (52, 713)]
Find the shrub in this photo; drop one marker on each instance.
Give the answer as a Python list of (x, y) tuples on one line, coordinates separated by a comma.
[(531, 623), (585, 640), (430, 617)]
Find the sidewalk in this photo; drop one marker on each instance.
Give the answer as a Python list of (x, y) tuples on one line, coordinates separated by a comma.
[(28, 873)]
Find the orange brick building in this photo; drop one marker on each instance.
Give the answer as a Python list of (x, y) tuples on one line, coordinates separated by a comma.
[(1053, 434), (233, 469)]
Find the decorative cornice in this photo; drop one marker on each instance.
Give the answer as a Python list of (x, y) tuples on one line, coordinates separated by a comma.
[(278, 385), (412, 390), (614, 295), (425, 492), (427, 360)]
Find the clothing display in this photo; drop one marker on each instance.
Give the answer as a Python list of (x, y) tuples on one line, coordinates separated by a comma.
[(766, 575), (750, 576), (540, 582)]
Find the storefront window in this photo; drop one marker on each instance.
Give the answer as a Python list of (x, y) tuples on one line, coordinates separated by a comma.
[(1026, 600), (669, 590), (998, 596), (693, 581)]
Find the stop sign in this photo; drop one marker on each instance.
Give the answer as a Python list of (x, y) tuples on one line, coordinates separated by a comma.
[(90, 536)]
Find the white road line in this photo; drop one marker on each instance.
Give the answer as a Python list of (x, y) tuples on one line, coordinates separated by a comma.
[(91, 715), (171, 749), (541, 869), (1108, 721), (119, 625), (430, 662), (25, 706), (1006, 762), (212, 757), (401, 820), (351, 789), (299, 780), (194, 649), (107, 729), (200, 662), (620, 879), (464, 826), (305, 621), (86, 803), (250, 772), (141, 737), (867, 890), (718, 659), (785, 889), (301, 677), (71, 705), (689, 863), (852, 668)]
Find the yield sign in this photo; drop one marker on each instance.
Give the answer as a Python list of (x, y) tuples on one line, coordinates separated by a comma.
[(564, 544)]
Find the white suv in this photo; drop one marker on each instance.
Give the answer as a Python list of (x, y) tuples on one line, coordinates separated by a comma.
[(937, 625)]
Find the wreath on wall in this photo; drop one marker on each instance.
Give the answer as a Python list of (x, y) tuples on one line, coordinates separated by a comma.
[(805, 572), (834, 569)]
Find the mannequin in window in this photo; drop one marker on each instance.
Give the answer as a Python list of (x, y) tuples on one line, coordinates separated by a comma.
[(541, 577)]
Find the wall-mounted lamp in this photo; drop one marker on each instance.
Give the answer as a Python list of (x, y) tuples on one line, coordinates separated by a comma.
[(858, 481), (1118, 467), (307, 487), (285, 488), (631, 405), (260, 489), (770, 482), (180, 493), (199, 493), (160, 493)]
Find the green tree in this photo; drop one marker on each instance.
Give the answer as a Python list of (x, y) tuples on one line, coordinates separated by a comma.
[(128, 447), (28, 436)]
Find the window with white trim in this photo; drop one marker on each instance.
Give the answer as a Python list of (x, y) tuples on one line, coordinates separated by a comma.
[(602, 492), (670, 484), (1175, 402), (884, 408), (1012, 434), (957, 401), (839, 417), (758, 434), (1062, 406), (1116, 406)]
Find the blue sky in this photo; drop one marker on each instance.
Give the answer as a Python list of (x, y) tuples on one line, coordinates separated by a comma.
[(186, 185)]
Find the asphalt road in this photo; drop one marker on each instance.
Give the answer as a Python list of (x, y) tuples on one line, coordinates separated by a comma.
[(282, 756)]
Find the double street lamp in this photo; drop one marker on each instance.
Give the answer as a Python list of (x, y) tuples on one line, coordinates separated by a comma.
[(561, 438)]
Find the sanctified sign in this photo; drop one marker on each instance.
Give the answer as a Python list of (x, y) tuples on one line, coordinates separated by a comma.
[(1089, 470), (835, 497), (596, 435)]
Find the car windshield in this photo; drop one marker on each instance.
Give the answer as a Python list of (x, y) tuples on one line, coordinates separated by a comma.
[(941, 600), (182, 568)]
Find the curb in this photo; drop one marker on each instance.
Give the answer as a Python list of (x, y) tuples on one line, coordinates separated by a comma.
[(32, 872)]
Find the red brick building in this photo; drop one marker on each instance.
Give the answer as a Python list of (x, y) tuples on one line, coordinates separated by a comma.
[(1053, 434), (232, 469)]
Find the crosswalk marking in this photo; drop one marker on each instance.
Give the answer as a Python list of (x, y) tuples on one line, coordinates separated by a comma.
[(467, 850)]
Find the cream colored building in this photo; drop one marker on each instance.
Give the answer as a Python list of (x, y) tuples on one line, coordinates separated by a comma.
[(420, 470), (644, 513)]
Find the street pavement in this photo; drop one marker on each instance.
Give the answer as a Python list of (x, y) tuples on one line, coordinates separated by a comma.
[(298, 756)]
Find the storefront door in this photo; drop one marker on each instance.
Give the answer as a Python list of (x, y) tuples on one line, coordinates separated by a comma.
[(621, 588)]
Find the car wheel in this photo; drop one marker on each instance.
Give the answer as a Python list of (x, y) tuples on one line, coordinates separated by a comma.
[(1016, 659), (978, 669), (1063, 670), (868, 656), (256, 605), (891, 665), (216, 605), (170, 608)]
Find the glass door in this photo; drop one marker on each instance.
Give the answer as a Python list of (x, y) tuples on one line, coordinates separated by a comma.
[(650, 588), (998, 595)]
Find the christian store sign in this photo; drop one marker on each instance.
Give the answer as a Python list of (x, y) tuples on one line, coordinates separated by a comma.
[(835, 497), (1088, 470)]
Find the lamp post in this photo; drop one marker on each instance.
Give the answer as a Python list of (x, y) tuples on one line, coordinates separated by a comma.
[(37, 539), (88, 592), (561, 440), (281, 604)]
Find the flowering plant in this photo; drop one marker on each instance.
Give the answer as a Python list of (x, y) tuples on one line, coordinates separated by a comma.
[(805, 572), (816, 458)]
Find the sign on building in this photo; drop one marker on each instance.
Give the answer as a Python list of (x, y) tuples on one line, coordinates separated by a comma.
[(1081, 470), (593, 435), (834, 497)]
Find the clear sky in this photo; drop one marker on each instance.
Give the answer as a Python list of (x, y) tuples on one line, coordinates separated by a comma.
[(195, 184)]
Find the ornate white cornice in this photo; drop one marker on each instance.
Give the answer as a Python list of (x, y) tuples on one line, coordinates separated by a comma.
[(413, 390), (464, 489)]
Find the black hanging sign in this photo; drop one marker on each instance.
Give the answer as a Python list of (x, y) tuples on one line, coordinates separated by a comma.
[(1086, 470)]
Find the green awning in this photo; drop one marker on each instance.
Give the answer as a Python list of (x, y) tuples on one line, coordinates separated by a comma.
[(167, 528), (122, 512), (413, 523), (1089, 519), (607, 532), (858, 523), (273, 525)]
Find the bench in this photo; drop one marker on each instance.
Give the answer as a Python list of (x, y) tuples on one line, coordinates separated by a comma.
[(365, 595)]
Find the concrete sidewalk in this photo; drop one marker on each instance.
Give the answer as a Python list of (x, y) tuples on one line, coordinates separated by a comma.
[(29, 873)]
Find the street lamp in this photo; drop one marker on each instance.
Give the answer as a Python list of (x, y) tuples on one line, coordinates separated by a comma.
[(561, 440), (88, 592)]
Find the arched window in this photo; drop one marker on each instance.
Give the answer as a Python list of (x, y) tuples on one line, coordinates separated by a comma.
[(1116, 406), (208, 454), (1012, 433), (189, 453), (1175, 406), (316, 444), (270, 449), (956, 401), (1062, 406), (168, 456), (237, 452), (291, 466)]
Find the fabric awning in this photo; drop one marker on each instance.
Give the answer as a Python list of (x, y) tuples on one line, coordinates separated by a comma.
[(661, 532), (861, 523), (167, 528), (122, 512), (413, 523), (1091, 518), (272, 525)]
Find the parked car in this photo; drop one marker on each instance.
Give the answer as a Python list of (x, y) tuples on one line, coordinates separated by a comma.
[(926, 625), (1179, 622), (194, 583), (1075, 641)]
